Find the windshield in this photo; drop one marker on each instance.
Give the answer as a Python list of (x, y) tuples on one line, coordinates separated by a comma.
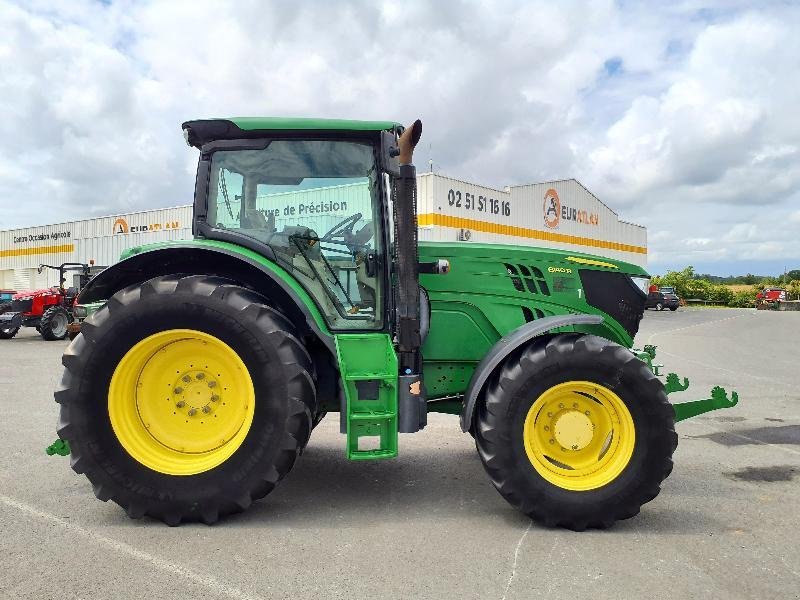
[(314, 203)]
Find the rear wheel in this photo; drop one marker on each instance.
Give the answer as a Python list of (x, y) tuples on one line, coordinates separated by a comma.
[(185, 398), (575, 431), (673, 308), (53, 324)]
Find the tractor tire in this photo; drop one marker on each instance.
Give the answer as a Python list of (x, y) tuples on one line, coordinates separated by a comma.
[(537, 432), (5, 307), (132, 379), (53, 324), (659, 306), (6, 333)]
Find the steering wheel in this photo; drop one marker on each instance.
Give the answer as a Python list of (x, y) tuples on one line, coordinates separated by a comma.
[(342, 227)]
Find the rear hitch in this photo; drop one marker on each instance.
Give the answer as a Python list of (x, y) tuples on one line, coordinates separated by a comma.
[(60, 447)]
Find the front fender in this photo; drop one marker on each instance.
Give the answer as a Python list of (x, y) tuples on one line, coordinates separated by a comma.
[(505, 346)]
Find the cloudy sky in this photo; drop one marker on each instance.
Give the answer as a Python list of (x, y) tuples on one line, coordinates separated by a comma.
[(681, 116)]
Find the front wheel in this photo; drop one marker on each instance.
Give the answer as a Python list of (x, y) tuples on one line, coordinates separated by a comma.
[(659, 306), (185, 398), (575, 431), (53, 324), (6, 332)]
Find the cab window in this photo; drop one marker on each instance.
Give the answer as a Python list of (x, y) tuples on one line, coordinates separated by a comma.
[(314, 202)]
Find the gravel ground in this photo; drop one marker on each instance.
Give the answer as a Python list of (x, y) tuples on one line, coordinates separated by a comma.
[(429, 524)]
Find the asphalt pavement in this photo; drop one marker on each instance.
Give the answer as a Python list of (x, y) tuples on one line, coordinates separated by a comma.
[(429, 524)]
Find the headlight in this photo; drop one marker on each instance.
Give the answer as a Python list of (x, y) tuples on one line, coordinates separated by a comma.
[(643, 283)]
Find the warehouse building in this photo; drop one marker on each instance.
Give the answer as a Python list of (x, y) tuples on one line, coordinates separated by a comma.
[(556, 214), (101, 240), (553, 214)]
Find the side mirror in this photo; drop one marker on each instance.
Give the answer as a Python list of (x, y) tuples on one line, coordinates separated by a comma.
[(390, 150)]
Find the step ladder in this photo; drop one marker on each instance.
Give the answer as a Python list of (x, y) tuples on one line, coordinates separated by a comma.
[(368, 366)]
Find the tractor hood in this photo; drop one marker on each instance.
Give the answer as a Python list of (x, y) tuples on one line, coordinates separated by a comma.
[(34, 293)]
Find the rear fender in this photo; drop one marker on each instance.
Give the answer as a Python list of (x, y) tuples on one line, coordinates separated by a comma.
[(264, 277), (505, 346)]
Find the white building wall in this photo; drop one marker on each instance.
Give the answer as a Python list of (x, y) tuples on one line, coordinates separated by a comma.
[(102, 240), (451, 210)]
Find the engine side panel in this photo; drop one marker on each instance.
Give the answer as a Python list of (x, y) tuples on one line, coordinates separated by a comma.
[(492, 290)]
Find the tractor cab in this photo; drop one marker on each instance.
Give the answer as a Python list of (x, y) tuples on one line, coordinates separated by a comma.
[(315, 205)]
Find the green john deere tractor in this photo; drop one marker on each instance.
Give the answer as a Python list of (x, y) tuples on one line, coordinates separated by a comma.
[(195, 385)]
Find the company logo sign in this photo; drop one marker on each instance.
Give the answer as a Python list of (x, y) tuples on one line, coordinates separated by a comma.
[(121, 226), (552, 208), (555, 212)]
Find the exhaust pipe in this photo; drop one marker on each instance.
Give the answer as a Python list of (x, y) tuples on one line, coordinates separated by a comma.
[(406, 254), (412, 404)]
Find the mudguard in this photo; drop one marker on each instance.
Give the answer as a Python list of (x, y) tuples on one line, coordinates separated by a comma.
[(506, 346), (150, 263)]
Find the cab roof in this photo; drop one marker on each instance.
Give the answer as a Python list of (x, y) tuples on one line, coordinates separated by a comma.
[(202, 131)]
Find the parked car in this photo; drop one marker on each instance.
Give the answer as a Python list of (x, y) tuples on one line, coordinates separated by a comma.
[(661, 300)]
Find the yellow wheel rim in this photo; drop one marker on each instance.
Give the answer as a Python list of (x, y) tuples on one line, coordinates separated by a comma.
[(181, 402), (579, 435)]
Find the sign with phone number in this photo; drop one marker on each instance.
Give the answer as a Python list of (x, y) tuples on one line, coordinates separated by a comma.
[(481, 204)]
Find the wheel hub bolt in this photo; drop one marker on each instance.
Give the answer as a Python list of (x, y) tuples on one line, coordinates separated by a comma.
[(202, 376), (561, 405), (186, 378), (214, 398), (574, 405), (192, 412), (552, 441), (547, 428), (587, 413), (180, 404), (206, 409), (212, 384), (178, 390)]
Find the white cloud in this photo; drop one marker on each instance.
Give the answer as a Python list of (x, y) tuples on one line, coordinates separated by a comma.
[(680, 116)]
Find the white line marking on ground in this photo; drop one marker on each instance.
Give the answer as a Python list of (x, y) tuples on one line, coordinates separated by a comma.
[(708, 366), (516, 556), (744, 437), (771, 380), (654, 335), (206, 581)]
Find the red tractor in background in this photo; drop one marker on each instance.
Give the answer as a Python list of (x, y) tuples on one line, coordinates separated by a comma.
[(49, 310)]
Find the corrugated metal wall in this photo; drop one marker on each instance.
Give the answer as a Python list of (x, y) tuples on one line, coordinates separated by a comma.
[(102, 240), (555, 214)]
